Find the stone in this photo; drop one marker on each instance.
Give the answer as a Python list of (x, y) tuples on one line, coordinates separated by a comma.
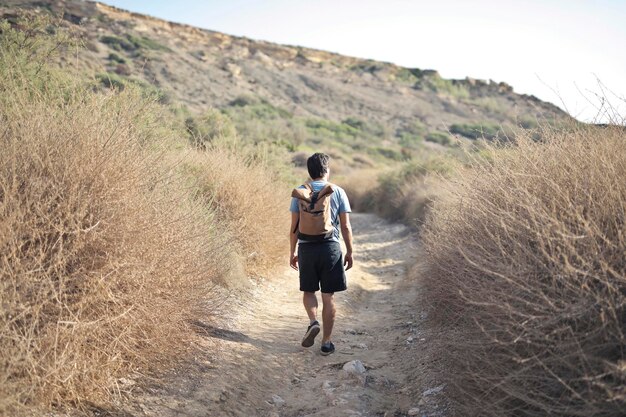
[(277, 400), (126, 382), (414, 411), (354, 367), (433, 391), (329, 385)]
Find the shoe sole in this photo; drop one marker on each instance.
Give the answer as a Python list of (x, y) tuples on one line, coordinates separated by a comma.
[(309, 337), (326, 353)]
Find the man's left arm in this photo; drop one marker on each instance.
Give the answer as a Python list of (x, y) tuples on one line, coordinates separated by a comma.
[(293, 240), (346, 233), (346, 228)]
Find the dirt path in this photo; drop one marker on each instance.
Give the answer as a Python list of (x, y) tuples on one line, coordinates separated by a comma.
[(261, 369)]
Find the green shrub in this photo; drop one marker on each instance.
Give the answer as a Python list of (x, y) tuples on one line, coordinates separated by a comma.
[(367, 66), (412, 133), (437, 84), (130, 43), (112, 80), (209, 127), (439, 137), (355, 123), (326, 127), (118, 43), (116, 58), (146, 43), (409, 75), (528, 122), (477, 130), (244, 100)]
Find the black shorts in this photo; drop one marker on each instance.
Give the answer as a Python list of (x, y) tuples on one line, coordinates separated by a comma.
[(321, 265)]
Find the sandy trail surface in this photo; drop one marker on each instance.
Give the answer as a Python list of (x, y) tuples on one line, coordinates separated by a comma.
[(254, 364)]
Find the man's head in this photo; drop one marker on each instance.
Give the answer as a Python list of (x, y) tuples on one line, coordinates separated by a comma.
[(317, 164)]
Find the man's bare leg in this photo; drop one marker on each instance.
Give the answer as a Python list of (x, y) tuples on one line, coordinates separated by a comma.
[(309, 300), (328, 315)]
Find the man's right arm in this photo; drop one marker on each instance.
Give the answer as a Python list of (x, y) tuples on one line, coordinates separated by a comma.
[(346, 232)]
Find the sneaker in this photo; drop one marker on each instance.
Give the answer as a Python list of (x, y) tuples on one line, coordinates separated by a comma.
[(327, 348), (311, 332)]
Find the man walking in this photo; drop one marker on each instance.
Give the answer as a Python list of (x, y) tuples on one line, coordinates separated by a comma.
[(318, 208)]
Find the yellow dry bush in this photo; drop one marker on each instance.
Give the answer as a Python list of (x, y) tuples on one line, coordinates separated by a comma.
[(250, 202), (104, 253), (525, 264)]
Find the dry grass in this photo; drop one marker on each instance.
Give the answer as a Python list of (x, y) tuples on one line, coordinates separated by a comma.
[(359, 186), (102, 254), (105, 249), (249, 201), (525, 264), (403, 193)]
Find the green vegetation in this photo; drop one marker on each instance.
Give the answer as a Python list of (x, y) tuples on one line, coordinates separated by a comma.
[(112, 80), (210, 127), (437, 84), (412, 134), (409, 75), (528, 122), (439, 137), (131, 43), (258, 121), (367, 66), (477, 130), (118, 82), (116, 58)]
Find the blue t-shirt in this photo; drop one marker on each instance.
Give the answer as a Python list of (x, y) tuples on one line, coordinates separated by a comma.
[(338, 204)]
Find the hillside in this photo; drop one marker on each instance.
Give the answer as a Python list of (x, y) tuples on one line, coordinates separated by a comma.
[(299, 97)]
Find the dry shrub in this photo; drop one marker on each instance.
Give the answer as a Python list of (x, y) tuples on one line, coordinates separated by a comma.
[(359, 186), (403, 193), (250, 202), (526, 268), (103, 254)]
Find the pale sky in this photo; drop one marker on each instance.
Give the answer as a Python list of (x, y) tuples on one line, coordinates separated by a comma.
[(556, 50)]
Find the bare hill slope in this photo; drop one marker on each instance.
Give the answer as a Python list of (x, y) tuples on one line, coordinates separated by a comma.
[(202, 69)]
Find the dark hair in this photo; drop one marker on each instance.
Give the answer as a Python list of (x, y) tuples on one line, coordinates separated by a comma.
[(317, 164)]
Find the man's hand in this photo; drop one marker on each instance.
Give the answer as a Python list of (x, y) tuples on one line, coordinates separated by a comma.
[(348, 261), (294, 262)]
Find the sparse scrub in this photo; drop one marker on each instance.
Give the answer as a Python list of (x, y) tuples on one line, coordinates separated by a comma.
[(116, 58), (367, 66), (249, 200), (325, 127), (525, 269), (477, 130), (112, 80), (408, 75), (405, 193), (452, 88), (119, 81), (211, 126), (412, 133), (439, 137), (131, 43), (400, 194)]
